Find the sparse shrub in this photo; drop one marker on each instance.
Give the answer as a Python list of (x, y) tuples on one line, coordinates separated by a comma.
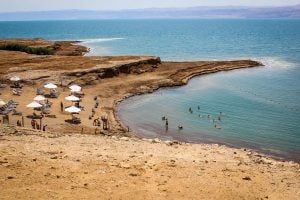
[(26, 49)]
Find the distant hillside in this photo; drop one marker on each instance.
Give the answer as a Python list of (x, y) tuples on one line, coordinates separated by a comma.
[(155, 13)]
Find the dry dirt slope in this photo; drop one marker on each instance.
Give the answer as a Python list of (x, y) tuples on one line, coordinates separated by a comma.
[(37, 165)]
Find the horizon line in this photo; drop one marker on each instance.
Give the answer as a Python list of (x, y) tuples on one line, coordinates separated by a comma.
[(152, 8)]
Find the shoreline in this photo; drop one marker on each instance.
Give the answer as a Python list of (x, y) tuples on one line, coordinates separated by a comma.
[(178, 82), (185, 82), (116, 164), (176, 85), (74, 46)]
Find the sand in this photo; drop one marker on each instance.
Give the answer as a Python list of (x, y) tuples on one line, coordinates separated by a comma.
[(37, 165), (70, 161)]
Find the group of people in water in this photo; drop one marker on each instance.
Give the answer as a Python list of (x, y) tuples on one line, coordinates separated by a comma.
[(180, 127), (215, 121)]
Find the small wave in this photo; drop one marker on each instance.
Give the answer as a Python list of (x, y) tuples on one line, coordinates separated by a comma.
[(277, 63), (98, 40)]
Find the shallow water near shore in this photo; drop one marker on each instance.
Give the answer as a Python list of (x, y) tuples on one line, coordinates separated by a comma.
[(260, 106), (250, 117)]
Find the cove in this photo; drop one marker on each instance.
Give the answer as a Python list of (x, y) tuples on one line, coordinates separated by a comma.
[(252, 113)]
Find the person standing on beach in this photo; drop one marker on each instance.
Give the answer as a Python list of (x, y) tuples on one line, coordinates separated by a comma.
[(33, 123), (95, 122), (18, 123), (61, 106), (44, 127)]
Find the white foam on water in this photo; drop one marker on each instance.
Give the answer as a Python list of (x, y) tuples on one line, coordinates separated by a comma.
[(276, 62), (98, 40), (273, 62), (96, 50)]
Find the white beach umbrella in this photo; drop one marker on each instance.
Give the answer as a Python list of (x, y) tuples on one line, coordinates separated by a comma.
[(50, 86), (73, 109), (34, 104), (75, 88), (15, 78), (72, 98), (2, 103), (39, 98)]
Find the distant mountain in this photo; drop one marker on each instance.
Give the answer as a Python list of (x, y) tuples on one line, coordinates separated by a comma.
[(159, 13)]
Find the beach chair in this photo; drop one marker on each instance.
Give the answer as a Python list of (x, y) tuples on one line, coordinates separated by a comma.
[(40, 91), (48, 104), (15, 112), (54, 94), (17, 85), (12, 102), (78, 94), (16, 92), (6, 112), (2, 85), (2, 109), (45, 111)]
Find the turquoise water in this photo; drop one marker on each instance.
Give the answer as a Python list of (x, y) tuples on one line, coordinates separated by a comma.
[(260, 106)]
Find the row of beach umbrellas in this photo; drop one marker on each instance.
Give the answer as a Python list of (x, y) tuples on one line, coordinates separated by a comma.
[(72, 109), (37, 99), (14, 79), (74, 88)]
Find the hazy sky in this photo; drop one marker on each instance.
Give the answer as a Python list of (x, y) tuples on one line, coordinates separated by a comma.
[(38, 5)]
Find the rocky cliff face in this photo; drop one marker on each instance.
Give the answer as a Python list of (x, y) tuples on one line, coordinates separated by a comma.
[(88, 76)]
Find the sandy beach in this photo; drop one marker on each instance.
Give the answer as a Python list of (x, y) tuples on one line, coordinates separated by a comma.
[(70, 161)]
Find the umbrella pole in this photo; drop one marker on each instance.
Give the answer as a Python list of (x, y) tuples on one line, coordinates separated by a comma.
[(41, 121), (22, 120)]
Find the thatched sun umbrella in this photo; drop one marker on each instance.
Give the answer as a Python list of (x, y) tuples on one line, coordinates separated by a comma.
[(75, 88)]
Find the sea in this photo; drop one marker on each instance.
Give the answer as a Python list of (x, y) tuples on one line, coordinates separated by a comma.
[(256, 108)]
